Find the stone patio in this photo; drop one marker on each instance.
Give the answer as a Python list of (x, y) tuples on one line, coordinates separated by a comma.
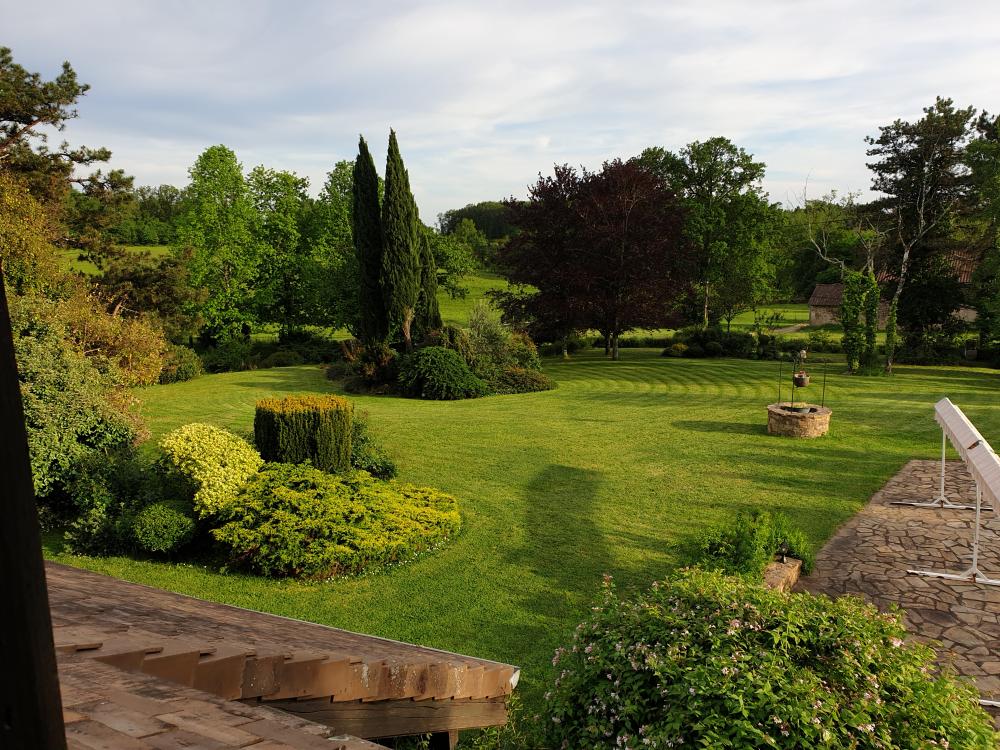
[(870, 554)]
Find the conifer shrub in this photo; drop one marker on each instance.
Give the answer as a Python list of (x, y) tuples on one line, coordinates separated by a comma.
[(294, 520), (165, 526), (440, 374), (296, 429), (206, 464), (706, 660)]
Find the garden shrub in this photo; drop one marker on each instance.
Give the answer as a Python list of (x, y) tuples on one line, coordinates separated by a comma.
[(182, 363), (441, 374), (102, 497), (305, 428), (678, 349), (746, 544), (231, 355), (695, 351), (208, 464), (367, 453), (705, 660), (73, 409), (283, 358), (374, 367), (165, 526), (521, 352), (294, 520), (522, 380), (714, 349)]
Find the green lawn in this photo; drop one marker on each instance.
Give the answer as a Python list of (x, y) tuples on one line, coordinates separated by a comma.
[(602, 475), (456, 311), (71, 258)]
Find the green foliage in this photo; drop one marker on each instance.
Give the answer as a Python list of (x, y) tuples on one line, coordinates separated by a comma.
[(851, 309), (296, 429), (872, 301), (891, 333), (454, 257), (703, 660), (428, 315), (218, 223), (367, 452), (369, 248), (182, 363), (71, 405), (748, 543), (283, 358), (441, 374), (819, 341), (208, 464), (165, 526), (678, 349), (294, 520), (515, 379), (104, 494), (374, 367), (231, 355), (400, 279)]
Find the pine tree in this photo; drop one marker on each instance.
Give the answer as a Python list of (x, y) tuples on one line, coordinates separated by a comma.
[(401, 258), (428, 311), (366, 225)]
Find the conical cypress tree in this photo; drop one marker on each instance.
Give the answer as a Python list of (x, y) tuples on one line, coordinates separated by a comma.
[(366, 223), (401, 257), (428, 312)]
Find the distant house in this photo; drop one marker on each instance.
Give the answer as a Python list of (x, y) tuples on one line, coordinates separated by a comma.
[(824, 304)]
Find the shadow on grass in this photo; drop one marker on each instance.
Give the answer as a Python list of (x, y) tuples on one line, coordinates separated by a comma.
[(563, 547)]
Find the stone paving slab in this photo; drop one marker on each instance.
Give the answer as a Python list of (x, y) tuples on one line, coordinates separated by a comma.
[(870, 554)]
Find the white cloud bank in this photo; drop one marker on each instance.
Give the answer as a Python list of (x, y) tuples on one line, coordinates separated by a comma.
[(485, 95)]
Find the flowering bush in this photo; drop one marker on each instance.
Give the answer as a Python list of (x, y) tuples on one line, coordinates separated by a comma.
[(209, 464), (704, 660), (294, 520)]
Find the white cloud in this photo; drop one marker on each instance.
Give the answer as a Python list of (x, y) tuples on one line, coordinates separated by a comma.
[(484, 95)]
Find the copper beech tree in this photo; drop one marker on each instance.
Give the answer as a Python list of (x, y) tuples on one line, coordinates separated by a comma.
[(601, 251)]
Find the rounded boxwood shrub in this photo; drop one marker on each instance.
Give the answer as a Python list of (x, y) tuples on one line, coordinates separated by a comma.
[(305, 428), (182, 363), (208, 464), (705, 660), (294, 520), (438, 373), (714, 349), (165, 526)]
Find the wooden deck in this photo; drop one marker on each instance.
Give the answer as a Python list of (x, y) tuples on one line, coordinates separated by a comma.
[(355, 684)]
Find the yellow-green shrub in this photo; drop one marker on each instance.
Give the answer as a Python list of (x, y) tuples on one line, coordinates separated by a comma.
[(209, 463), (305, 428), (294, 520)]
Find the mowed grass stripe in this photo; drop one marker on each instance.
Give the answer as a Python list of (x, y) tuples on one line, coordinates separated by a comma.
[(602, 475)]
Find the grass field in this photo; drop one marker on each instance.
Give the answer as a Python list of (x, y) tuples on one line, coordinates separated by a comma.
[(71, 258), (602, 475)]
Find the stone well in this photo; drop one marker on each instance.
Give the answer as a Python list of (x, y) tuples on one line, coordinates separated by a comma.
[(812, 423)]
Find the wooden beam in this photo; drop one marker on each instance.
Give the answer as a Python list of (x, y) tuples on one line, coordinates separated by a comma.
[(384, 719), (30, 707)]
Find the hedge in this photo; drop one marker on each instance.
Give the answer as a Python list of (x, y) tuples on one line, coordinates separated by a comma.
[(297, 429)]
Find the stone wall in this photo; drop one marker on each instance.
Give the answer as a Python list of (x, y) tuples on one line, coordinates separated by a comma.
[(809, 425)]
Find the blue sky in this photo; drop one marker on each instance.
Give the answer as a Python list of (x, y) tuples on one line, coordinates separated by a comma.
[(485, 95)]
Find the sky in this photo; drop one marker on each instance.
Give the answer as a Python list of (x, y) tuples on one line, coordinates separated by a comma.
[(486, 95)]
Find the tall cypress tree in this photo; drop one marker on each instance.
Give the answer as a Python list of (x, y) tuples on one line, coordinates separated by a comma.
[(401, 258), (428, 311), (366, 224)]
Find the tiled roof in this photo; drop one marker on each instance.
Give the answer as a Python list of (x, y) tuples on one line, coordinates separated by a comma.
[(827, 295)]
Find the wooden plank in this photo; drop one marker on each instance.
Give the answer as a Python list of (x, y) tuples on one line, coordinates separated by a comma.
[(384, 719), (30, 706)]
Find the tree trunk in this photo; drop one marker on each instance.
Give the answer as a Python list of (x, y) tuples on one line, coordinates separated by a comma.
[(607, 344), (614, 346), (894, 305), (565, 349), (704, 313)]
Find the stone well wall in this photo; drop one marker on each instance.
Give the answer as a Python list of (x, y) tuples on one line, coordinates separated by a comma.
[(807, 425)]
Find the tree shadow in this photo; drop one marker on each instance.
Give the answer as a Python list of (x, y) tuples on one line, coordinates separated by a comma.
[(725, 428)]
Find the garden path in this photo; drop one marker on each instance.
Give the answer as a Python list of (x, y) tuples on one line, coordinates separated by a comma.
[(870, 554)]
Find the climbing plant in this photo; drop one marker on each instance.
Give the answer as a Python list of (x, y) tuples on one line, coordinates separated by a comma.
[(851, 307), (872, 298)]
